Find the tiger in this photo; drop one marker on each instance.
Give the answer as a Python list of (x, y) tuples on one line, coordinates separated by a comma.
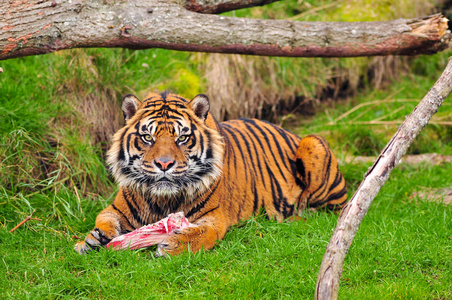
[(173, 156)]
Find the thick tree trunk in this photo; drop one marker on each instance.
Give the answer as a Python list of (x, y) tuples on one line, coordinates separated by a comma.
[(36, 27), (353, 213)]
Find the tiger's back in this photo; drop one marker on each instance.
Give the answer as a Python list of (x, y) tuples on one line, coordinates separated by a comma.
[(261, 168), (173, 156)]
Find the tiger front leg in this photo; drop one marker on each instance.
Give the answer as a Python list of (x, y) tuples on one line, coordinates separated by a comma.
[(203, 235), (108, 226), (318, 171)]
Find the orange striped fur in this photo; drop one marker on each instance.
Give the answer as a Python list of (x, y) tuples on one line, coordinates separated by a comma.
[(173, 156)]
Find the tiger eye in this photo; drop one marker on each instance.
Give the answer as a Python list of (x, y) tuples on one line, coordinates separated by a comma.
[(182, 138), (148, 138)]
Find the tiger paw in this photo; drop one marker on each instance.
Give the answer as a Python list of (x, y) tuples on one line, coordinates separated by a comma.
[(190, 239), (172, 245), (97, 238)]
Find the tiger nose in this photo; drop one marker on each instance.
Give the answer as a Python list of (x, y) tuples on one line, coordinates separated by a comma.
[(164, 163)]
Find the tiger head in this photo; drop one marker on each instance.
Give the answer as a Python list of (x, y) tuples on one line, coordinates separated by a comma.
[(169, 147)]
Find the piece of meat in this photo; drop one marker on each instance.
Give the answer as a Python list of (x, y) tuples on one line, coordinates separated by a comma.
[(149, 235)]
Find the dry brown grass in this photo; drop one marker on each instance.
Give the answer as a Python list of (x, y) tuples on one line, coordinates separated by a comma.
[(249, 86), (98, 115), (382, 69), (94, 105), (237, 88)]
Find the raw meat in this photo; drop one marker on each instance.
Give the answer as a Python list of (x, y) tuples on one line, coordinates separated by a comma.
[(150, 234)]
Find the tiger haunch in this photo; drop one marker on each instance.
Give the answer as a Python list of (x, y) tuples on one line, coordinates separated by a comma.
[(173, 156)]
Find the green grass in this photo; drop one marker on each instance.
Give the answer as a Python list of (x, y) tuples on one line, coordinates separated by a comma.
[(402, 250), (346, 124)]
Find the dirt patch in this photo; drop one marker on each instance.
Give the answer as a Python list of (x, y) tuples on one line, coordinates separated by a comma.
[(443, 195)]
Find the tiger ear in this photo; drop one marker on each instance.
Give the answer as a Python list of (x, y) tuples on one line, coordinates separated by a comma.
[(200, 106), (129, 106)]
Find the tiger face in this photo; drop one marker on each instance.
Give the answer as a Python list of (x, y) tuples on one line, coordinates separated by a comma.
[(169, 147)]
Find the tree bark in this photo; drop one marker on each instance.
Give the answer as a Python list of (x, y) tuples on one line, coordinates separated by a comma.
[(353, 213), (37, 27)]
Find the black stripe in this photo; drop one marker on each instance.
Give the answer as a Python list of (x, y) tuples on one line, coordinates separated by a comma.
[(136, 144), (284, 134), (276, 195), (308, 183), (293, 167), (201, 205), (287, 210), (150, 98), (193, 140), (257, 156), (326, 168), (209, 151), (206, 170), (337, 195), (209, 211), (201, 143), (129, 137), (178, 97), (132, 209), (252, 122), (124, 216), (121, 154), (302, 171), (231, 133), (337, 180), (256, 199), (280, 151)]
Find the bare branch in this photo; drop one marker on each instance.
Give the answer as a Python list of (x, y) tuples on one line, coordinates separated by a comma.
[(38, 27), (23, 221), (353, 213), (219, 6)]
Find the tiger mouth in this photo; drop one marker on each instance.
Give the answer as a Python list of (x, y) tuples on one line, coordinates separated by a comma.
[(164, 187), (165, 183), (164, 179)]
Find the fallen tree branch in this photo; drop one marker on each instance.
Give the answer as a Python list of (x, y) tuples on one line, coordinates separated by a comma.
[(353, 213), (39, 27), (24, 220)]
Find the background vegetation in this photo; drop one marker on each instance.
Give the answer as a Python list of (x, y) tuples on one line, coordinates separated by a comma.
[(58, 111)]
